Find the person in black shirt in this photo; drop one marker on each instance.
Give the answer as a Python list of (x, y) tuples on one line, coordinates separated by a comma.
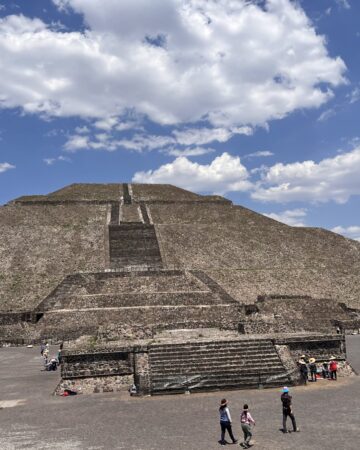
[(286, 400)]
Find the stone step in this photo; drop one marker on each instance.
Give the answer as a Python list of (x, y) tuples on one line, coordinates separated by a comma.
[(244, 369), (155, 299), (243, 341), (208, 346), (231, 353), (208, 387), (226, 373), (216, 383), (214, 357)]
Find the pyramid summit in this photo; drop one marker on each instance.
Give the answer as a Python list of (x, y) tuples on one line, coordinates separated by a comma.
[(127, 262)]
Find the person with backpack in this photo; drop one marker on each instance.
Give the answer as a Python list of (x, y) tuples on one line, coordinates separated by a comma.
[(246, 421), (333, 366), (286, 400), (225, 422)]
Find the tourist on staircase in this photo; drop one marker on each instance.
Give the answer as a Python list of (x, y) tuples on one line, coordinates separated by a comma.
[(225, 422), (246, 422)]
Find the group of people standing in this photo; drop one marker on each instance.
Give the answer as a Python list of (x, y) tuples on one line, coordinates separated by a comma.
[(247, 421), (50, 364), (328, 369)]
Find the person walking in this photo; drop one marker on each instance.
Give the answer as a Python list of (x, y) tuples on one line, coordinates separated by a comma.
[(333, 366), (246, 421), (286, 400), (225, 422), (313, 369)]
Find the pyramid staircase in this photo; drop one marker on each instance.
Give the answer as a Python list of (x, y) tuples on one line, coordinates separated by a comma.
[(197, 366)]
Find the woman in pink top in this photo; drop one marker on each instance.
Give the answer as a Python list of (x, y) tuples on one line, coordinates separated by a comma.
[(246, 422)]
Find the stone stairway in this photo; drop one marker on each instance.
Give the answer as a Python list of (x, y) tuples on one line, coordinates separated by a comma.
[(215, 365), (134, 244)]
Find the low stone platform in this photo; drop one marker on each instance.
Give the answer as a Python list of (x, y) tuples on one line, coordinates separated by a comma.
[(165, 365)]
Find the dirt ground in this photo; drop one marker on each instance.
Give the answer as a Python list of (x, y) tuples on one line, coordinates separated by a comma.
[(327, 412)]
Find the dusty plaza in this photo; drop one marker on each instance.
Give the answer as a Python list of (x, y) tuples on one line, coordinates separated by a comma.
[(327, 412)]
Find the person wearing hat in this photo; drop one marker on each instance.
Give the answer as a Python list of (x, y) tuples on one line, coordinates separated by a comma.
[(225, 422), (246, 421), (286, 401), (313, 368), (303, 370)]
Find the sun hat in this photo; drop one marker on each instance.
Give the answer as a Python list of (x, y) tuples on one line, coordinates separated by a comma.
[(223, 402), (312, 360), (301, 361), (302, 356), (285, 389)]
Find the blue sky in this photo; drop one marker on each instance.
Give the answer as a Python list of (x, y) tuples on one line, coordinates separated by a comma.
[(254, 100)]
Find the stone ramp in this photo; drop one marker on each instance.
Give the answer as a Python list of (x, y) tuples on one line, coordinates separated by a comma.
[(231, 364)]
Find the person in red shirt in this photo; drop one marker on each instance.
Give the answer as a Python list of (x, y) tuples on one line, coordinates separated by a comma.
[(333, 366)]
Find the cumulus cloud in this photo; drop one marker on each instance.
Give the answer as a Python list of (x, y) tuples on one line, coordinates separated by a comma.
[(352, 232), (228, 63), (292, 217), (225, 173), (6, 166), (332, 179)]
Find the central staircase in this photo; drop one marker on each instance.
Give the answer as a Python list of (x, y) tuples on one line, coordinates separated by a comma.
[(196, 366), (134, 244)]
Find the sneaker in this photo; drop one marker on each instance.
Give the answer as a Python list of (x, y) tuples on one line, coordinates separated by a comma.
[(285, 431), (297, 430), (236, 441)]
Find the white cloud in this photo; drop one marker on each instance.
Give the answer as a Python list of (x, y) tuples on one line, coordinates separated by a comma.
[(259, 154), (201, 136), (228, 63), (6, 166), (327, 114), (225, 173), (343, 4), (146, 142), (195, 151), (76, 142), (354, 95), (292, 217), (106, 124), (352, 232), (82, 130), (51, 161), (332, 179)]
